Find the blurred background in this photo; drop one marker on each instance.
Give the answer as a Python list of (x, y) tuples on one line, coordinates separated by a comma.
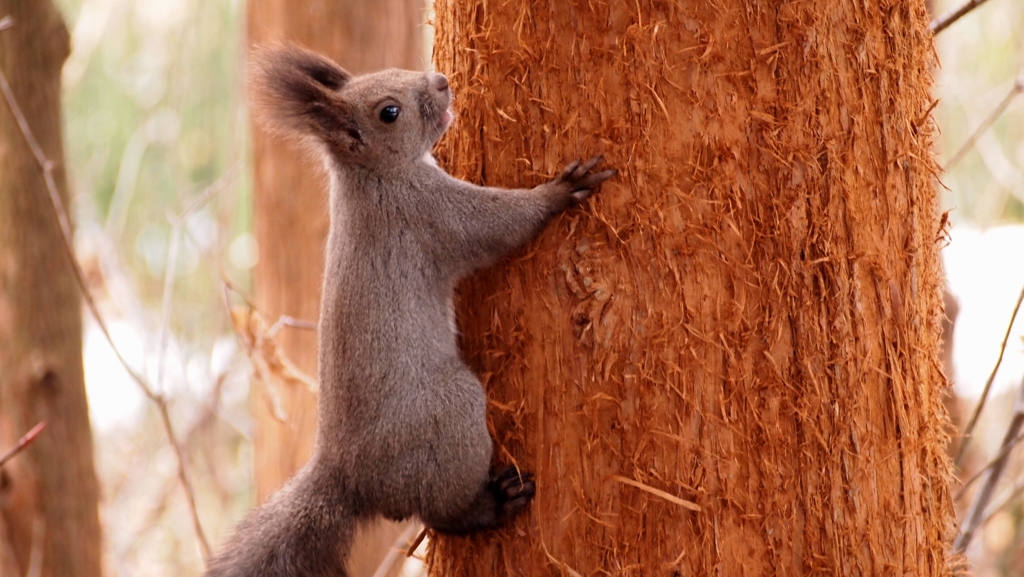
[(157, 142), (154, 116), (980, 115)]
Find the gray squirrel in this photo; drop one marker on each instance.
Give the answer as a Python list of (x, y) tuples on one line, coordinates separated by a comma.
[(402, 427)]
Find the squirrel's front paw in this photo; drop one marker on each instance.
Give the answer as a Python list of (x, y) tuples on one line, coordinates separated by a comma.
[(578, 182)]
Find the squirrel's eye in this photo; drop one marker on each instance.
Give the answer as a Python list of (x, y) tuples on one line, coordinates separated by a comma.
[(389, 114)]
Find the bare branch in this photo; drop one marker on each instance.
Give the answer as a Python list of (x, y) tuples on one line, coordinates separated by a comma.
[(281, 322), (183, 476), (958, 461), (416, 542), (172, 263), (1018, 87), (23, 442), (60, 213), (398, 550), (65, 227), (1011, 496), (218, 185), (975, 514), (940, 24), (291, 322), (165, 305), (168, 292), (159, 504), (1002, 453)]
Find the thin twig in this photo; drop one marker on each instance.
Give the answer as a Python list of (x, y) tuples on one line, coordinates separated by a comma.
[(416, 542), (23, 442), (218, 185), (188, 439), (658, 493), (228, 287), (60, 213), (65, 227), (1011, 496), (975, 513), (1002, 453), (940, 24), (282, 321), (562, 564), (183, 476), (1015, 90), (397, 551), (290, 322), (958, 461), (177, 223), (165, 305)]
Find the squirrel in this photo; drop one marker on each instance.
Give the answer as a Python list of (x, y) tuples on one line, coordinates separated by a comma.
[(402, 427)]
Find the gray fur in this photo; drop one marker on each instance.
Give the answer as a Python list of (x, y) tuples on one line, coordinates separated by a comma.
[(402, 427)]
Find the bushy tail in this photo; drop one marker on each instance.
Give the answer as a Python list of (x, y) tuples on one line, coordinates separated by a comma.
[(305, 530)]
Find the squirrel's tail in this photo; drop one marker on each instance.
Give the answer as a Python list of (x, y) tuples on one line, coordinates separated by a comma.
[(306, 529)]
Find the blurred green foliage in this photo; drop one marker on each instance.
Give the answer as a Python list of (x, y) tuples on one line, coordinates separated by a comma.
[(154, 114)]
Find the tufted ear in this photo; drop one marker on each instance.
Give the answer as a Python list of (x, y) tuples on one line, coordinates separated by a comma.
[(295, 90)]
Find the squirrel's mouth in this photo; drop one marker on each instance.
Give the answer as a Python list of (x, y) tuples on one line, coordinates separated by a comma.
[(445, 120), (442, 121)]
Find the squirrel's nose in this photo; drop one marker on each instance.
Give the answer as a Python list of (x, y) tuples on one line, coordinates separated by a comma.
[(441, 83)]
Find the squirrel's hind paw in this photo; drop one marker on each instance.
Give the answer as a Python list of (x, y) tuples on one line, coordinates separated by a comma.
[(512, 491)]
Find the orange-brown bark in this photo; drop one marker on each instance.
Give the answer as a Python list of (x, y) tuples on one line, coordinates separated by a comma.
[(748, 317)]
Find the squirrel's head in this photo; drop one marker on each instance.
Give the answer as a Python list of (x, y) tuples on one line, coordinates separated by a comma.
[(382, 119)]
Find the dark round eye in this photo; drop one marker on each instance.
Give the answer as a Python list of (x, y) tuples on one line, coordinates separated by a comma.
[(389, 114)]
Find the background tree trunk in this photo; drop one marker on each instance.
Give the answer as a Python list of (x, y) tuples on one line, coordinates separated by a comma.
[(748, 316), (291, 218), (48, 495)]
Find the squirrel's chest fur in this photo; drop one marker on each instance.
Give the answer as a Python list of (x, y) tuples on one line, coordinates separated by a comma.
[(387, 322)]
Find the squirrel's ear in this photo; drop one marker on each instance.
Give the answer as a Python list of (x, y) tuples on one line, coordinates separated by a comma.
[(295, 90)]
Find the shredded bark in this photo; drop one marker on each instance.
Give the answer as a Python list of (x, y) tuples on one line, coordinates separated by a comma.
[(747, 317)]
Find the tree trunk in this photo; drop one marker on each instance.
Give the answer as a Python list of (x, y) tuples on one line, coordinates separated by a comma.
[(49, 519), (747, 317), (291, 219)]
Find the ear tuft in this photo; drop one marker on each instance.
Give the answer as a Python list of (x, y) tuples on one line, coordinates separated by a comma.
[(293, 89)]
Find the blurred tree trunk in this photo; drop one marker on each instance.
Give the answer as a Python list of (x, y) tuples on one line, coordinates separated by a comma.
[(49, 519), (747, 317), (291, 218)]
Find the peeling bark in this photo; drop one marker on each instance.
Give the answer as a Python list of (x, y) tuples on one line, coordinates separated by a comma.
[(748, 317)]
